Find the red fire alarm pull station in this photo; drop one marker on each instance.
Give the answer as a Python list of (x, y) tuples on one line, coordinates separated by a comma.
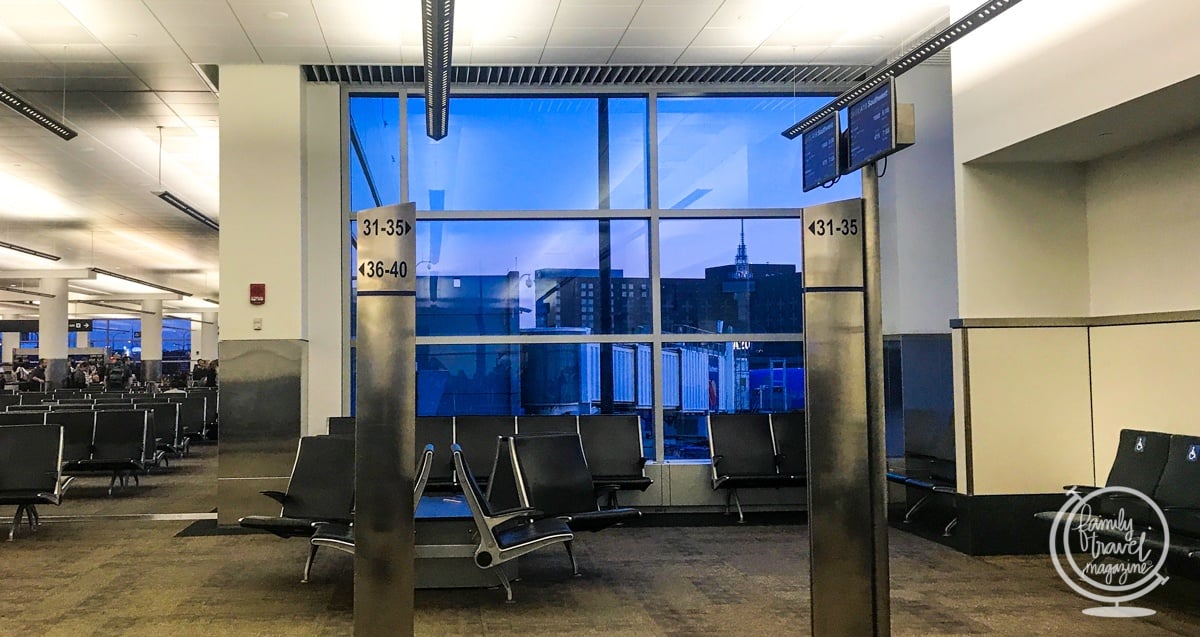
[(258, 293)]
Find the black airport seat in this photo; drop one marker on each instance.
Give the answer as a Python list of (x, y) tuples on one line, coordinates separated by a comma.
[(30, 470), (612, 445), (743, 455), (439, 432), (340, 535), (341, 425), (553, 478), (78, 431), (119, 447), (35, 397), (28, 407), (789, 430), (477, 435), (505, 535), (547, 424), (321, 489), (192, 412), (168, 431), (22, 418)]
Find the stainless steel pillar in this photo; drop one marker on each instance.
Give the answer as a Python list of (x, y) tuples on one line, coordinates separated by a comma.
[(847, 531), (386, 422)]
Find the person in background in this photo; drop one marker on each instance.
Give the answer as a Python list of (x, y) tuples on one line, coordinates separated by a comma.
[(37, 378), (118, 374), (210, 379), (199, 372), (21, 375)]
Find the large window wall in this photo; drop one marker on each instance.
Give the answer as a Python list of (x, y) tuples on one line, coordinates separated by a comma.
[(585, 254)]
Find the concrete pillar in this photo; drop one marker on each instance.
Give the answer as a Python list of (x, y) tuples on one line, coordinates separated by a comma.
[(8, 342), (52, 329), (152, 332), (208, 336), (82, 339)]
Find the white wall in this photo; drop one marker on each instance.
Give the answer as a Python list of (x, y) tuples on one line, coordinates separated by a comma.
[(323, 231), (1046, 63), (262, 142), (1022, 240), (1143, 229), (916, 201)]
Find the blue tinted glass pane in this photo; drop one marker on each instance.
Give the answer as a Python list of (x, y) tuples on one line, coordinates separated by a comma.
[(506, 154), (515, 380), (727, 152), (713, 281), (374, 151), (627, 131), (353, 280), (738, 377), (509, 277)]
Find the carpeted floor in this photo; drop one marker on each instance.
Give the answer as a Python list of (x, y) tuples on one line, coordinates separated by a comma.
[(110, 576)]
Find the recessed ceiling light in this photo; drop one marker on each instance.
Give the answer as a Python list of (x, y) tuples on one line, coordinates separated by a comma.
[(132, 36), (510, 37), (877, 37), (277, 15)]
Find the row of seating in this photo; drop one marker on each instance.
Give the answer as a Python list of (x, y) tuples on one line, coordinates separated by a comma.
[(192, 416), (542, 493), (612, 446), (31, 460), (1164, 467), (120, 443), (757, 451)]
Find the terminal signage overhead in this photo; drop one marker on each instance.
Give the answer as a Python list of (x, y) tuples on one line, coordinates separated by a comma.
[(31, 325), (819, 152), (871, 126)]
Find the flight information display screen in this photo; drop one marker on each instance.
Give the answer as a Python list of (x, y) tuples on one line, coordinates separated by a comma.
[(819, 152), (871, 126)]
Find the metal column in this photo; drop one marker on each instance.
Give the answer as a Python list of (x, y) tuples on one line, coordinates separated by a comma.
[(386, 422), (847, 530)]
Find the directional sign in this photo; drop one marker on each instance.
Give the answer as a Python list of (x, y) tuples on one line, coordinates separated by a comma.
[(79, 325), (386, 249)]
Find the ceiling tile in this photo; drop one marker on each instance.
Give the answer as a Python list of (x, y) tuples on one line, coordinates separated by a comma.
[(715, 54), (366, 54), (504, 55), (119, 22), (646, 55), (852, 55), (695, 16), (598, 15), (294, 54), (598, 37), (773, 54), (576, 55), (658, 37)]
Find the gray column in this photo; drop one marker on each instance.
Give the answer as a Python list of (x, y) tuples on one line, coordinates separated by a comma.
[(152, 340), (52, 329), (8, 342), (208, 336)]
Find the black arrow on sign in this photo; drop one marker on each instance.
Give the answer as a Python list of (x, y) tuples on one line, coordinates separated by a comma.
[(362, 269), (811, 227), (407, 227)]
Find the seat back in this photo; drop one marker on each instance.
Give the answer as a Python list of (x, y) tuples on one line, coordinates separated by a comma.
[(476, 501), (78, 431), (552, 474), (166, 420), (477, 435), (1141, 456), (342, 426), (22, 418), (27, 407), (31, 458), (322, 483), (1180, 482), (547, 424), (422, 478), (191, 412), (123, 435), (791, 443), (439, 432), (741, 444), (34, 397), (612, 445)]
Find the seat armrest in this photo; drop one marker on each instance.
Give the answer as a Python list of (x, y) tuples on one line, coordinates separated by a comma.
[(1181, 509), (606, 488), (1081, 489), (500, 517), (277, 496), (716, 460)]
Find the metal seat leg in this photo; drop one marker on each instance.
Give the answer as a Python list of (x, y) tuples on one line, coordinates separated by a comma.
[(503, 577), (312, 554), (571, 554)]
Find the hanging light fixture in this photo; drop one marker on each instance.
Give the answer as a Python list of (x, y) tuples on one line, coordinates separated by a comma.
[(437, 38), (19, 105), (169, 197)]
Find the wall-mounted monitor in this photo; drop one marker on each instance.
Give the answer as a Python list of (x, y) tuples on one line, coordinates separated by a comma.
[(871, 126), (820, 148)]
